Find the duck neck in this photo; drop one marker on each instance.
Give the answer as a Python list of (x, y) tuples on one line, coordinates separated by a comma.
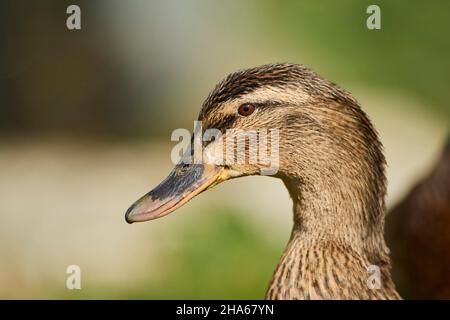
[(338, 210), (337, 235)]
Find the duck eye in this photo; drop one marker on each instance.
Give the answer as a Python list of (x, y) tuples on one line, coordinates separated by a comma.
[(246, 109)]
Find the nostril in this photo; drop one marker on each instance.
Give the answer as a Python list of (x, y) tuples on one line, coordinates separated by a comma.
[(183, 168)]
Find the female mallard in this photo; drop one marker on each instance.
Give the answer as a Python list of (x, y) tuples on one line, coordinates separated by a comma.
[(330, 160)]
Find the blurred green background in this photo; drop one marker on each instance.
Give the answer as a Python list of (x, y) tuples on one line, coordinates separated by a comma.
[(86, 118)]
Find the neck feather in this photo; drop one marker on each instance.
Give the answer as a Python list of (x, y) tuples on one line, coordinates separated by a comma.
[(337, 239)]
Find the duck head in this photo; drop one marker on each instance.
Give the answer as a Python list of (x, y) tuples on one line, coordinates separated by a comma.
[(324, 142)]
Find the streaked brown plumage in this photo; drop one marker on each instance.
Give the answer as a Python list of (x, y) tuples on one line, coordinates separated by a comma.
[(332, 164)]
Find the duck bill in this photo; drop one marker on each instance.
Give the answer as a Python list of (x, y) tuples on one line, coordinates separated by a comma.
[(182, 184)]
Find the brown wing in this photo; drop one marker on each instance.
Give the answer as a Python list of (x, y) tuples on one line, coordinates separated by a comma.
[(418, 233)]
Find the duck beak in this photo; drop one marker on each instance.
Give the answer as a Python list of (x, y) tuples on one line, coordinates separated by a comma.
[(182, 184)]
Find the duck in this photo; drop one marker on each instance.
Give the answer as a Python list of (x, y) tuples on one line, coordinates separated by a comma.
[(329, 158), (417, 231)]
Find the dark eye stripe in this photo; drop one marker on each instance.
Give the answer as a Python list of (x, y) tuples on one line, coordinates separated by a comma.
[(268, 104), (222, 123)]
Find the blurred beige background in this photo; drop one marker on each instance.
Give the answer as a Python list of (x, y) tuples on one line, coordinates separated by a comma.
[(86, 118)]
